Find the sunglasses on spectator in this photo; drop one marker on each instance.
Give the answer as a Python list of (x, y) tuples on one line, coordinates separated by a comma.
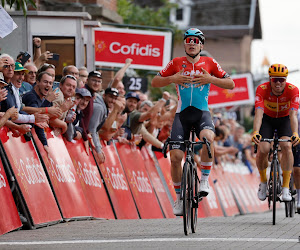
[(47, 66), (69, 76), (278, 79), (9, 66), (193, 40)]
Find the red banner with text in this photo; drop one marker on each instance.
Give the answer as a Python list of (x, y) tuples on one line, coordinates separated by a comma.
[(90, 180), (117, 185), (31, 178), (139, 182), (9, 217), (63, 177)]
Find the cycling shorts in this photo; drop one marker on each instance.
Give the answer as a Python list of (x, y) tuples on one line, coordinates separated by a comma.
[(185, 120), (296, 154), (269, 124)]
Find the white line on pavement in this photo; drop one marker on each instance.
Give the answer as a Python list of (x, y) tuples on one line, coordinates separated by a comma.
[(22, 243)]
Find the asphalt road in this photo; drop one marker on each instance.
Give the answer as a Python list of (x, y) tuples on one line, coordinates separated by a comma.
[(254, 231)]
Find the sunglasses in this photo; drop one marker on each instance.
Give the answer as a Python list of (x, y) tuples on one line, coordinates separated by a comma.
[(9, 66), (70, 76), (193, 40), (47, 66), (278, 79)]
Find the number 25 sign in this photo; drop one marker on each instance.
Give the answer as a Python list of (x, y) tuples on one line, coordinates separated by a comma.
[(135, 83)]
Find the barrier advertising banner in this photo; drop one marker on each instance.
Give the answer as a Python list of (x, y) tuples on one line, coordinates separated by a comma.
[(31, 178), (63, 177), (149, 50), (9, 217), (165, 166), (157, 184), (138, 179), (117, 185), (243, 93), (90, 179)]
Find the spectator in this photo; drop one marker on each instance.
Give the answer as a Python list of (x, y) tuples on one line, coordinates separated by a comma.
[(65, 91), (22, 56), (94, 85), (8, 67), (74, 131), (83, 74), (30, 78), (71, 70)]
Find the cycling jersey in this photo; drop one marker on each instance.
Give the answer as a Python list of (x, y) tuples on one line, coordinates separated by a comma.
[(191, 96), (277, 106)]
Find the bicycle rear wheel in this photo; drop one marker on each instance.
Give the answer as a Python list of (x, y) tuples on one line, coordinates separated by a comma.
[(274, 168), (186, 196), (287, 205), (194, 208)]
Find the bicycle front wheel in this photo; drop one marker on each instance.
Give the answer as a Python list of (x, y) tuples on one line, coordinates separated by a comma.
[(195, 197), (187, 197)]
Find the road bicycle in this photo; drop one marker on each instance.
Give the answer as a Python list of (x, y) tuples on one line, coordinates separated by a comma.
[(274, 188), (190, 181)]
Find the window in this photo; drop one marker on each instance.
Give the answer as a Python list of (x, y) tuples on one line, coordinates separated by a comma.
[(179, 14)]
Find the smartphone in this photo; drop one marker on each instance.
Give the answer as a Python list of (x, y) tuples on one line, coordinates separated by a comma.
[(25, 57), (55, 57)]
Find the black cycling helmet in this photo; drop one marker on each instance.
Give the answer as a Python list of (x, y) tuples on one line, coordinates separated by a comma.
[(194, 32)]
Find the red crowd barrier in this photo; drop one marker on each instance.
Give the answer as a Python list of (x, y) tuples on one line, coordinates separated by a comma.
[(9, 217), (117, 185), (90, 180), (31, 178), (139, 182), (63, 177), (165, 166), (157, 184)]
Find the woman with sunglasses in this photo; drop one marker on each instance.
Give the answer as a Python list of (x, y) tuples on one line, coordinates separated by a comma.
[(276, 106), (192, 75)]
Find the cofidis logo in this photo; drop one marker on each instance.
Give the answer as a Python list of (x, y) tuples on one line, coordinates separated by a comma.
[(147, 49)]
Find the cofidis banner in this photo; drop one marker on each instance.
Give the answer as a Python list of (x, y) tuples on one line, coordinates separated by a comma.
[(63, 177), (90, 180), (31, 178), (9, 217), (149, 50)]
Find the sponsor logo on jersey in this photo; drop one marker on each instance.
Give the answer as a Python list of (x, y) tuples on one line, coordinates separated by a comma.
[(291, 87), (272, 106), (263, 87)]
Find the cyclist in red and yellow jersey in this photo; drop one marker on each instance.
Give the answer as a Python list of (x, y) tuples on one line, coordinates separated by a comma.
[(276, 106)]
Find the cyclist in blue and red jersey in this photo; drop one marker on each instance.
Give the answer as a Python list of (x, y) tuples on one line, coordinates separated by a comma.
[(192, 75), (276, 106)]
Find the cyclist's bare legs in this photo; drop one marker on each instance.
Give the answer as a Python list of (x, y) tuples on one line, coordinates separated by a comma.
[(206, 162), (176, 173), (287, 161), (262, 160)]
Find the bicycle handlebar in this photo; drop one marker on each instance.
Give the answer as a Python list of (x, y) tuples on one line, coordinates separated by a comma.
[(270, 140), (186, 142)]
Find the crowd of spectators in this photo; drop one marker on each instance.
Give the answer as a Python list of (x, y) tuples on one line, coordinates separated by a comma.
[(78, 108)]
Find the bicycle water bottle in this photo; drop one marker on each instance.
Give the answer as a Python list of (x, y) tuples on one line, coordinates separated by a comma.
[(71, 113)]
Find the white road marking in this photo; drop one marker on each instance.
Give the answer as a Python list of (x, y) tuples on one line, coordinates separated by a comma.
[(27, 243)]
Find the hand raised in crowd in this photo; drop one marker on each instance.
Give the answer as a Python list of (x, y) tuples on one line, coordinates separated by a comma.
[(24, 128), (46, 56), (72, 119), (128, 61), (202, 79), (166, 95), (3, 61), (55, 112), (37, 42), (67, 105), (51, 96), (40, 118), (3, 94), (13, 113), (181, 79)]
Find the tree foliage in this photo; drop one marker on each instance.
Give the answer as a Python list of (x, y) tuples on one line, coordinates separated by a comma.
[(19, 4)]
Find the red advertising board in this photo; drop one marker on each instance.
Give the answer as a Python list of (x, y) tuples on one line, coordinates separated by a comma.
[(63, 177), (117, 185), (165, 166), (157, 184), (9, 217), (31, 178), (243, 93), (90, 180), (140, 185), (149, 49)]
